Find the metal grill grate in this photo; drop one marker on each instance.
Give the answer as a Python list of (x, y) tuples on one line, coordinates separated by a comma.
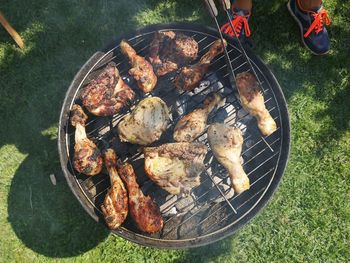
[(211, 208)]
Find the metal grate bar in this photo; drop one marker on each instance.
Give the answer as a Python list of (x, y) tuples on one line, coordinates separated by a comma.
[(222, 194), (199, 197), (231, 213), (246, 162), (251, 185)]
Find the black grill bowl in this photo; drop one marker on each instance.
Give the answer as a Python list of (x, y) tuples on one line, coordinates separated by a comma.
[(211, 212)]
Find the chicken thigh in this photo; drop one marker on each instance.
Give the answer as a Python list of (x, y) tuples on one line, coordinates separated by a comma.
[(169, 51), (87, 157), (226, 144), (193, 124), (106, 94), (175, 167), (189, 77), (141, 69), (144, 211), (115, 205), (146, 123), (253, 101)]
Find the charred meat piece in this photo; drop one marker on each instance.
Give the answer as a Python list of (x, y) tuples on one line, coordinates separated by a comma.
[(189, 77), (253, 101), (115, 205), (193, 124), (160, 47), (141, 70), (107, 94), (144, 211), (146, 123), (184, 49), (175, 167), (226, 144), (87, 157), (170, 51)]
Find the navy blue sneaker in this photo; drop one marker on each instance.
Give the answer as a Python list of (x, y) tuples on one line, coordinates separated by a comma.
[(312, 26), (240, 23)]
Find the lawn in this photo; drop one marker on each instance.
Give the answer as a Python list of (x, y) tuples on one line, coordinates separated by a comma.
[(308, 219)]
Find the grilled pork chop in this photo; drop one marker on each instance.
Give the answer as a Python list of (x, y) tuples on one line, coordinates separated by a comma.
[(253, 101), (146, 123), (170, 51), (190, 76), (144, 211), (87, 157), (226, 144), (141, 70), (193, 124), (106, 94), (115, 205), (175, 167)]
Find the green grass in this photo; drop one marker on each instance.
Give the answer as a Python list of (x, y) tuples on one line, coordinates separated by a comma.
[(308, 219)]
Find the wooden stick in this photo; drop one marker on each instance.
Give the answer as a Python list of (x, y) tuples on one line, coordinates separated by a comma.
[(11, 31)]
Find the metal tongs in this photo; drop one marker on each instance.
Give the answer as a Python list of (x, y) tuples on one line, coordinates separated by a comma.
[(213, 11)]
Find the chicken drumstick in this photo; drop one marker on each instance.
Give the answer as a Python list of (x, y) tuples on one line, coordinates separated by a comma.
[(193, 124), (253, 101), (143, 209), (115, 205), (87, 157), (190, 77), (141, 69), (226, 144)]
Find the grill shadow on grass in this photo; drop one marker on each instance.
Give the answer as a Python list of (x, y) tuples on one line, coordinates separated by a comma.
[(47, 218)]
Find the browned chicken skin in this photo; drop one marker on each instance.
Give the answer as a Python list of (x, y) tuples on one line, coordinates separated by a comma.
[(144, 211), (175, 167), (226, 144), (169, 51), (115, 205), (193, 124), (87, 157), (141, 69), (189, 77), (107, 94), (253, 101)]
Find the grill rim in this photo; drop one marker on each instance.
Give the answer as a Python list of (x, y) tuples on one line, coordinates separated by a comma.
[(201, 240)]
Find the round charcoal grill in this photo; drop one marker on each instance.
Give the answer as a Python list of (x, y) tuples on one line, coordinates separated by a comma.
[(211, 211)]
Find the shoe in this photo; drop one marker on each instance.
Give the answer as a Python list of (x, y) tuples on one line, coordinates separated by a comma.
[(239, 22), (312, 26)]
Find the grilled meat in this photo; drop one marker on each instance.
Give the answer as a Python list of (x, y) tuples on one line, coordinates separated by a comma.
[(141, 69), (169, 51), (253, 101), (115, 205), (193, 124), (87, 157), (106, 94), (144, 211), (226, 144), (190, 76), (175, 167), (146, 123)]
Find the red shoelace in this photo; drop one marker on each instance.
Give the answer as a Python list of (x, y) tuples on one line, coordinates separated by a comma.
[(238, 23), (319, 18)]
